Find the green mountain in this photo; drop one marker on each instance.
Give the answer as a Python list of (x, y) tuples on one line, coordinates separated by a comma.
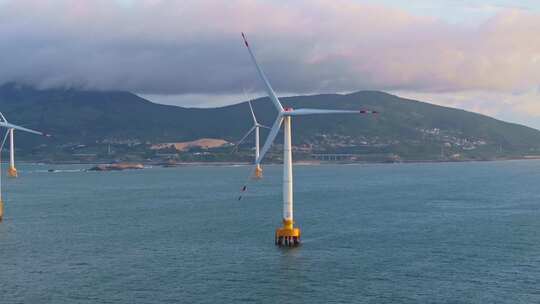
[(404, 129)]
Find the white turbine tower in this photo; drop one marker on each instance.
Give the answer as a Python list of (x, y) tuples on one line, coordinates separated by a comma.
[(256, 126), (287, 234), (12, 171), (10, 128)]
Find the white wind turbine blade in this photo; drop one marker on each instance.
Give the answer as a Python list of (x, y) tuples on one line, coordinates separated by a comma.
[(12, 126), (252, 113), (3, 118), (263, 126), (245, 136), (257, 124), (267, 85), (270, 139), (251, 109), (298, 112)]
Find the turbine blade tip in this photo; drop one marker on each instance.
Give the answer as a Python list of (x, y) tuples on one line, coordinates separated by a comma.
[(245, 39), (368, 112)]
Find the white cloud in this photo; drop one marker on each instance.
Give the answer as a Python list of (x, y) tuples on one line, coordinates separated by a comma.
[(194, 47)]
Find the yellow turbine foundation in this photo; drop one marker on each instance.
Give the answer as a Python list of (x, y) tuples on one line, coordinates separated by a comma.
[(12, 172), (258, 172), (288, 235), (1, 210)]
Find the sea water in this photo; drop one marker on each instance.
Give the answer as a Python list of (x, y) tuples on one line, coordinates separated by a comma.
[(381, 233)]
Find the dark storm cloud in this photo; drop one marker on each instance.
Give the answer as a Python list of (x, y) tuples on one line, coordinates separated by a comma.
[(194, 47)]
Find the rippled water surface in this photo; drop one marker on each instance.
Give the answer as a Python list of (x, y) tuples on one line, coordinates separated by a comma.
[(400, 233)]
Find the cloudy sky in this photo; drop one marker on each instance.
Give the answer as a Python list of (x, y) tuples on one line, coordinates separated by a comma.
[(478, 55)]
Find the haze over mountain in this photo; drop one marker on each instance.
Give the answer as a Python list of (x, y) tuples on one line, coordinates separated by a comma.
[(404, 128)]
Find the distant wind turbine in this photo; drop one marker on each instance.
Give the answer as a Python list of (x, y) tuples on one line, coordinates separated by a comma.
[(12, 171), (287, 234), (256, 126)]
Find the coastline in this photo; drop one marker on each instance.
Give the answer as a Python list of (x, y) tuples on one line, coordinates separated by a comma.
[(300, 162)]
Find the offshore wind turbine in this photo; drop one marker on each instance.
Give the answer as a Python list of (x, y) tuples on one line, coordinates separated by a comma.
[(287, 234), (10, 130), (255, 128)]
